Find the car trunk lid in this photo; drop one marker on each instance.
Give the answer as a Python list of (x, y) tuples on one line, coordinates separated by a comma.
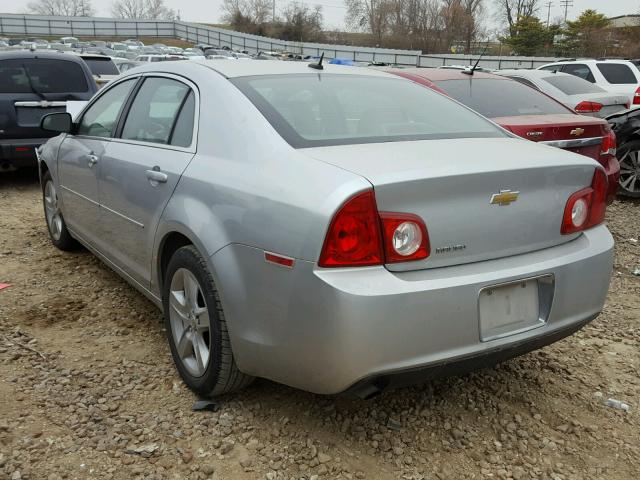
[(575, 133), (452, 192)]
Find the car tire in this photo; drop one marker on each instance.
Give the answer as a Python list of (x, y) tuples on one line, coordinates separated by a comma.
[(629, 158), (196, 327), (56, 225)]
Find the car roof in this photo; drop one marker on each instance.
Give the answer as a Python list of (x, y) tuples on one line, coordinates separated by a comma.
[(535, 73), (589, 61), (231, 69), (441, 74), (5, 55)]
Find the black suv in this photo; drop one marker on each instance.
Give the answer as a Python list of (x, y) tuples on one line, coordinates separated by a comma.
[(33, 84)]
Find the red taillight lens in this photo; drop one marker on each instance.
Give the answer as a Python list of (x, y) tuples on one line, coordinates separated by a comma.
[(588, 107), (405, 237), (354, 237), (636, 97), (360, 236), (586, 208), (609, 144)]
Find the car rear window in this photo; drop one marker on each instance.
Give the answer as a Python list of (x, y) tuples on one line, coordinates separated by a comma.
[(313, 109), (101, 66), (500, 98), (617, 73), (571, 85), (29, 75)]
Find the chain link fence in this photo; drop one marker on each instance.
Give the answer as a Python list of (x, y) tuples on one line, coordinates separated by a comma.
[(54, 26)]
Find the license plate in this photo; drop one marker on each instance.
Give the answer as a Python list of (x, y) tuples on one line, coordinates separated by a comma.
[(509, 309)]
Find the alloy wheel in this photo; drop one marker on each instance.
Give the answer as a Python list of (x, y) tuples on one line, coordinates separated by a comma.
[(630, 171), (54, 220), (190, 323)]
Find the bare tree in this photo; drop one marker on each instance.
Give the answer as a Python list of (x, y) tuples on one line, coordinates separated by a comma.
[(252, 11), (142, 9), (371, 15), (512, 11), (66, 8)]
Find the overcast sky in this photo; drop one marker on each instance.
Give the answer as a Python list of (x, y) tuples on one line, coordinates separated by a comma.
[(208, 11)]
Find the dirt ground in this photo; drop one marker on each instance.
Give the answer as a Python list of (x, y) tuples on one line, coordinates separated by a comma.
[(88, 389)]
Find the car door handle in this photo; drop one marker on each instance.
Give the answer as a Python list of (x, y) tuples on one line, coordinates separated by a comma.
[(92, 159), (156, 176)]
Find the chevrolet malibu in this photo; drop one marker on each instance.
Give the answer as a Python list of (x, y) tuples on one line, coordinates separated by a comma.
[(327, 227)]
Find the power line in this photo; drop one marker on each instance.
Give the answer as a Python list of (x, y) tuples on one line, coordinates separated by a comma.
[(566, 4), (548, 5)]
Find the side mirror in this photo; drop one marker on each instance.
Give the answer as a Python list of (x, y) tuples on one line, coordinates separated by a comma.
[(57, 122)]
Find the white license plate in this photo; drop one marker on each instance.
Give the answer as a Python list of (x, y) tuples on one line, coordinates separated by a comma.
[(509, 309)]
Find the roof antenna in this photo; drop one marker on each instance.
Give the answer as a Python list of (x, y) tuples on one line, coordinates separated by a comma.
[(473, 69), (317, 66)]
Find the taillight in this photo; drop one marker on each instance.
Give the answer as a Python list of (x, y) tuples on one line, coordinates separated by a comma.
[(609, 144), (636, 97), (405, 237), (360, 236), (354, 237), (588, 107), (586, 208)]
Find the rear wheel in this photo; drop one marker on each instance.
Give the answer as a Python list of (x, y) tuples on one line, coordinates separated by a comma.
[(58, 232), (629, 158), (196, 327)]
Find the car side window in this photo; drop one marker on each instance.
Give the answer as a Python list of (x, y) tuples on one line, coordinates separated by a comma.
[(100, 118), (552, 68), (183, 130), (154, 111), (579, 70)]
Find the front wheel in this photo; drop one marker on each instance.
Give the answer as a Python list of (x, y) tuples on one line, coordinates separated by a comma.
[(196, 327), (56, 225), (629, 158)]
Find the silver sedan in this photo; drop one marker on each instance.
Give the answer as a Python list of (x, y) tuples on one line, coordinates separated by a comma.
[(328, 227)]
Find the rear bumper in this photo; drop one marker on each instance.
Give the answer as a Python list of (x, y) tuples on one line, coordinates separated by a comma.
[(329, 330), (19, 152)]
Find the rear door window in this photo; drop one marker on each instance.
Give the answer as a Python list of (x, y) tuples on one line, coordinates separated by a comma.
[(154, 111), (617, 73), (501, 98), (552, 68), (525, 81), (41, 75), (579, 70)]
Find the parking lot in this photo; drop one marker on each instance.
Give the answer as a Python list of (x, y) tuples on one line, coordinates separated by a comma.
[(88, 389)]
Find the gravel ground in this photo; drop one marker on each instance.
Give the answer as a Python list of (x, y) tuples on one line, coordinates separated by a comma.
[(88, 390)]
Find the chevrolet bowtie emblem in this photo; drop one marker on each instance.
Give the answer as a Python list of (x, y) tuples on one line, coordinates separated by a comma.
[(505, 197), (576, 132)]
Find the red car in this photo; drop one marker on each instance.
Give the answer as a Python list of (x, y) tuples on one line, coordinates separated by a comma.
[(525, 112)]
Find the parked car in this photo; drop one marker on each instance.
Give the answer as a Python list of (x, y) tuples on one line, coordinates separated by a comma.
[(159, 57), (33, 84), (69, 40), (579, 95), (102, 68), (336, 229), (526, 112), (124, 64), (626, 125), (617, 76)]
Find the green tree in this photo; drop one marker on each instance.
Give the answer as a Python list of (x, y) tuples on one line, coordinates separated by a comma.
[(588, 35), (529, 36)]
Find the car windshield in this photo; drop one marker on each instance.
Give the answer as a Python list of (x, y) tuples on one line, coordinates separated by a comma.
[(42, 75), (310, 110), (101, 66), (570, 85), (500, 98)]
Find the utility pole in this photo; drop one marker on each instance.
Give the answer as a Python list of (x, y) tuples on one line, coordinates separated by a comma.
[(273, 14), (566, 4), (548, 5)]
